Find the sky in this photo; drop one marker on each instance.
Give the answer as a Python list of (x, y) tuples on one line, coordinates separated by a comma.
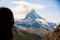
[(49, 9)]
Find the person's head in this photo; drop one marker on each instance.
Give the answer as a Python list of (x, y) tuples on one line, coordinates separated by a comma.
[(6, 21)]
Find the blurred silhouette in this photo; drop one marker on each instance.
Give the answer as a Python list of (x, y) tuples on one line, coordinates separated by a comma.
[(6, 24), (54, 35)]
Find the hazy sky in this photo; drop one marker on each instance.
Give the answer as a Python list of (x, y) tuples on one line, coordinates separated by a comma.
[(49, 9)]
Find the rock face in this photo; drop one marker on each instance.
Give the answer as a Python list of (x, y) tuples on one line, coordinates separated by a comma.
[(54, 35)]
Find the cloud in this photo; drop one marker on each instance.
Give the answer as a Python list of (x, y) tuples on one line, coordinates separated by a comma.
[(26, 4), (51, 19), (23, 7)]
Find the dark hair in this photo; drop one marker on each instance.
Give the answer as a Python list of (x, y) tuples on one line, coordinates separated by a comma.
[(6, 23)]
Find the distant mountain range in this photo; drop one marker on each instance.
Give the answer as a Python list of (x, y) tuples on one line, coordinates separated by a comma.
[(35, 24)]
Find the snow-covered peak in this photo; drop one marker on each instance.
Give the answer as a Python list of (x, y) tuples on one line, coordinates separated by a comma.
[(33, 15)]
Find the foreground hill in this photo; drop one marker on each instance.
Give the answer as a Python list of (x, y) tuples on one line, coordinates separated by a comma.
[(24, 35)]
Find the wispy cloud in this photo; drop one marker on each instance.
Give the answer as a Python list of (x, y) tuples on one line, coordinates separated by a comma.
[(23, 7), (26, 4), (51, 19)]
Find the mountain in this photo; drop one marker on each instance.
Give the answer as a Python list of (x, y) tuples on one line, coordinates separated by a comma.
[(33, 15), (35, 24)]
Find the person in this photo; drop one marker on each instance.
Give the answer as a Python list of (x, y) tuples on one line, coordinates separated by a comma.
[(6, 24), (54, 35)]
